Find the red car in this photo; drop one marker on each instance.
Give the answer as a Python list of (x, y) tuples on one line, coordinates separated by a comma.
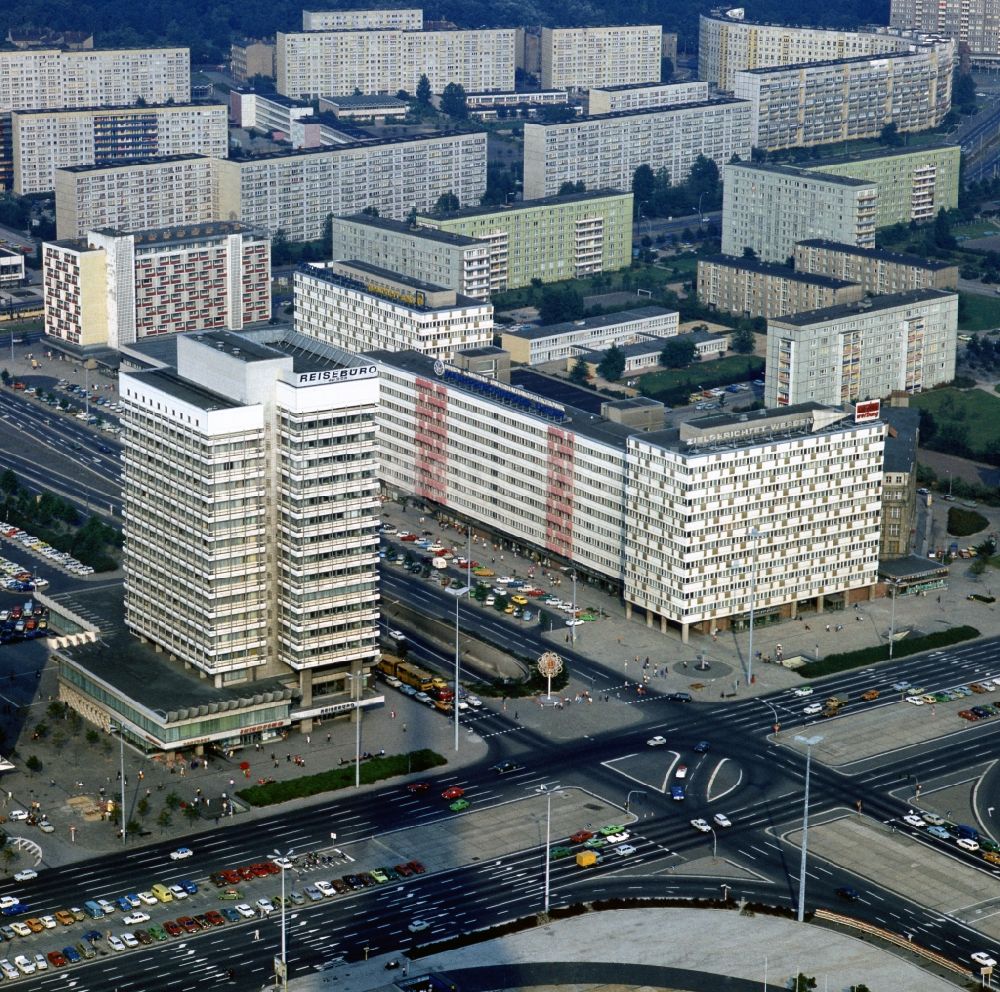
[(246, 873), (404, 870), (407, 537), (453, 792), (416, 867), (188, 923), (418, 787), (57, 959), (215, 918), (580, 837), (173, 929), (261, 870)]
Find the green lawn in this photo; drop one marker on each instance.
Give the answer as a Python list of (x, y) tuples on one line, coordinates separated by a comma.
[(701, 375), (975, 229), (978, 313), (972, 412)]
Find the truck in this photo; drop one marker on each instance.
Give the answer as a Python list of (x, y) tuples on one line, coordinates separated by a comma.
[(411, 674), (586, 859), (834, 705)]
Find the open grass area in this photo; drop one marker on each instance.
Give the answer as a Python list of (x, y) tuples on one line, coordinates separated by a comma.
[(972, 413), (702, 375), (978, 313), (975, 229)]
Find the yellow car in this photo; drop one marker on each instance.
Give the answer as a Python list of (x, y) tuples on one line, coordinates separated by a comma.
[(519, 600), (484, 573)]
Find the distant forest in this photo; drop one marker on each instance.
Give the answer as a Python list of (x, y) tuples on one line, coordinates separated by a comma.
[(208, 27)]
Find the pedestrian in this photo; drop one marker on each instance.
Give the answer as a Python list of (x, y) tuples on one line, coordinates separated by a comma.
[(515, 714), (404, 728), (328, 736), (392, 714), (288, 757), (309, 739)]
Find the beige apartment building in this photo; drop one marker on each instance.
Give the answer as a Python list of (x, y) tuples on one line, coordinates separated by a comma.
[(251, 58), (560, 237), (641, 96), (39, 78), (605, 151), (819, 103), (866, 350), (137, 195), (768, 208), (728, 43), (397, 18), (750, 288), (337, 63), (876, 271), (46, 140), (578, 58)]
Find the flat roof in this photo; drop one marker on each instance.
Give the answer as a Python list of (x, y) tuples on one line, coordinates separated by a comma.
[(389, 274), (877, 253), (167, 380), (912, 567), (775, 269), (133, 162), (798, 173), (401, 227), (276, 98), (646, 86), (545, 201), (349, 145), (901, 438), (826, 63), (365, 100), (872, 304), (875, 154), (112, 109), (588, 323), (667, 108)]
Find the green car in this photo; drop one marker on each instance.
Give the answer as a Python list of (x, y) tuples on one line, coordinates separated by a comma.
[(458, 805), (943, 697), (594, 843), (232, 895), (156, 932), (391, 874), (613, 828), (379, 875), (989, 845), (85, 949), (559, 852)]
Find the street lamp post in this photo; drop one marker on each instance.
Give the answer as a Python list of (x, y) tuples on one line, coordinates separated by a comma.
[(281, 974), (355, 678), (468, 592), (548, 792), (628, 798), (754, 536), (121, 772), (700, 195), (809, 743), (572, 629), (892, 621), (715, 844)]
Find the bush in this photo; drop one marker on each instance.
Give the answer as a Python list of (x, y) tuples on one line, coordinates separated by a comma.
[(868, 656), (962, 523), (372, 770)]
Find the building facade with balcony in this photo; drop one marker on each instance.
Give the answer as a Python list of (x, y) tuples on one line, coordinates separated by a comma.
[(578, 58), (396, 18), (112, 288), (361, 307), (750, 288), (821, 103), (862, 351), (46, 140), (251, 512), (975, 23), (555, 238), (768, 208), (451, 260), (878, 272), (642, 96), (606, 150)]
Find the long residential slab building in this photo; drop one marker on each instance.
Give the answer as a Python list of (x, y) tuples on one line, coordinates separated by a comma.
[(606, 150), (665, 517), (312, 64), (46, 140), (581, 57), (293, 192)]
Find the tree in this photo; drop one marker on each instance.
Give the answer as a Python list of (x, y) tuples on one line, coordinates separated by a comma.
[(142, 807), (643, 187), (5, 377), (33, 764), (164, 819), (560, 303), (612, 365), (666, 70), (569, 188), (889, 135), (8, 481), (943, 238), (447, 203), (191, 812), (704, 186), (579, 373), (424, 91), (133, 828), (802, 983), (742, 340), (370, 211), (91, 736), (860, 988), (678, 352), (963, 91), (453, 101), (749, 252)]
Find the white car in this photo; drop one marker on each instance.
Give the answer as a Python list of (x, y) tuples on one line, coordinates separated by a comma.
[(41, 963), (913, 820), (49, 922), (115, 943), (902, 686), (624, 850), (681, 772), (177, 892), (916, 700), (108, 907), (265, 906), (283, 863), (134, 919), (722, 820), (7, 901), (981, 957), (21, 929), (148, 899), (17, 815), (474, 701), (181, 853), (9, 971), (130, 939), (326, 888), (933, 819), (967, 845), (245, 911), (701, 826), (656, 741), (812, 709), (574, 622), (417, 926), (618, 838), (24, 964), (803, 690), (25, 875)]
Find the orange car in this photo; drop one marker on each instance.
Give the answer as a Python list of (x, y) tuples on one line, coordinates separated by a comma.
[(870, 695)]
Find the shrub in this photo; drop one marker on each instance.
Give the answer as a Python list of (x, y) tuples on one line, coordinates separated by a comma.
[(868, 656), (962, 523)]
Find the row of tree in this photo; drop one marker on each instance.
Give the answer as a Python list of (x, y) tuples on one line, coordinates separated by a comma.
[(655, 196)]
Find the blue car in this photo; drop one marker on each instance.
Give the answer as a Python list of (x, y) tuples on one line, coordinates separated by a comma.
[(14, 910), (940, 832), (72, 955), (677, 792), (124, 904), (188, 886), (702, 747)]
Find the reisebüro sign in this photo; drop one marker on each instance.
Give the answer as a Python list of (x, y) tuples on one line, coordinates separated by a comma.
[(327, 376)]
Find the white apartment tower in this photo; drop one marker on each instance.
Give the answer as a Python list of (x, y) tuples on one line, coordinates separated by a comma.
[(361, 307), (251, 511), (399, 18), (974, 22), (578, 58), (864, 350)]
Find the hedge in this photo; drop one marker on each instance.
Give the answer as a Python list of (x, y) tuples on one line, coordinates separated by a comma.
[(964, 523), (868, 656), (372, 770)]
